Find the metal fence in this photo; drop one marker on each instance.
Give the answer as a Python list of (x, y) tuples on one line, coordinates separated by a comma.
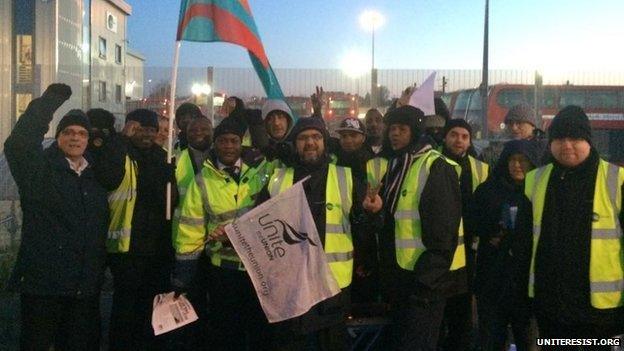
[(243, 82)]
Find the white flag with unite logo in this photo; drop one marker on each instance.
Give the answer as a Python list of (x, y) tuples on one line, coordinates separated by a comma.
[(280, 247)]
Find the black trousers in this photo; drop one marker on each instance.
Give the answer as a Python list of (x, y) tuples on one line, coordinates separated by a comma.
[(457, 326), (136, 279), (333, 338), (494, 317), (67, 323), (417, 323), (236, 318)]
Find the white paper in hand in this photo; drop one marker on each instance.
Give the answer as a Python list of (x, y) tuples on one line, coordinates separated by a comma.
[(170, 313)]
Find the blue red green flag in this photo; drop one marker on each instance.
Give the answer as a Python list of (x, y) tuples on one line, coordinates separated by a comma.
[(228, 21)]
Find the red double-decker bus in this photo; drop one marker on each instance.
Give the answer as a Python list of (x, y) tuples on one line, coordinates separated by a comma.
[(604, 106), (340, 105)]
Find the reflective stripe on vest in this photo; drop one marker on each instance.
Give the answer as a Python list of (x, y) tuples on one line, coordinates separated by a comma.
[(338, 201), (225, 200), (407, 222), (121, 203), (375, 170), (479, 171), (606, 266), (247, 138)]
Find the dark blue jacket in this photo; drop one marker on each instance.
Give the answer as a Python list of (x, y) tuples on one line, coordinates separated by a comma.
[(65, 216)]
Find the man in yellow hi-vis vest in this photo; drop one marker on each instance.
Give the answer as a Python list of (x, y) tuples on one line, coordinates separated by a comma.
[(570, 241), (226, 188), (139, 235), (335, 198), (421, 245), (458, 314)]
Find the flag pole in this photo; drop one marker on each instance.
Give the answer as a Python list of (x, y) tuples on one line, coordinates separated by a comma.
[(174, 77)]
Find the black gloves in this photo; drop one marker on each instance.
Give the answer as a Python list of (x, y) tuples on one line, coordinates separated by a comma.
[(56, 94)]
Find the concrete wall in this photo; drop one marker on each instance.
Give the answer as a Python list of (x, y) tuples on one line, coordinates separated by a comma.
[(106, 69), (6, 50)]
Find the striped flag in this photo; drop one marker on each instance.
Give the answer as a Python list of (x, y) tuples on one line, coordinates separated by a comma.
[(228, 21)]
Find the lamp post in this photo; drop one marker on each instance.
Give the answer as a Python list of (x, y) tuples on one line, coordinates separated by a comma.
[(372, 20)]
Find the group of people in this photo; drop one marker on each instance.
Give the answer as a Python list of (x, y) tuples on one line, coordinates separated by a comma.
[(409, 214)]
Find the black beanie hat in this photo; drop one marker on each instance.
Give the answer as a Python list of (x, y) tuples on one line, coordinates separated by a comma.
[(188, 108), (74, 117), (408, 115), (101, 118), (229, 126), (570, 122), (455, 123), (145, 117), (309, 123)]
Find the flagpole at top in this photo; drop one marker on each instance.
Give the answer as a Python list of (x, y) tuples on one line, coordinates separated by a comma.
[(174, 77)]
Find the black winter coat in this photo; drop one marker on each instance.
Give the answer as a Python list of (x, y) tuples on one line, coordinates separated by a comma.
[(65, 216), (563, 253), (333, 310), (440, 211)]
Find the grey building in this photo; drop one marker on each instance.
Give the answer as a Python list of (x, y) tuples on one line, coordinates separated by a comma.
[(82, 43)]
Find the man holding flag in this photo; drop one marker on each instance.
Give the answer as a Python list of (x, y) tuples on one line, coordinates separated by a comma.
[(335, 200), (224, 189)]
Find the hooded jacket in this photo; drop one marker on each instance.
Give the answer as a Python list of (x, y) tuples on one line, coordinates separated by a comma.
[(272, 148), (494, 201)]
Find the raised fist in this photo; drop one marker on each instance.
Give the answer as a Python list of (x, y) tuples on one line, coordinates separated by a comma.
[(59, 91)]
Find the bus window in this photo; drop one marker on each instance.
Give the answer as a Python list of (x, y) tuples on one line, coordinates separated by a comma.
[(550, 98), (572, 97), (511, 97), (602, 99)]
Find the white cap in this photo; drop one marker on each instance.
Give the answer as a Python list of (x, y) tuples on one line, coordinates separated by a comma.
[(273, 105)]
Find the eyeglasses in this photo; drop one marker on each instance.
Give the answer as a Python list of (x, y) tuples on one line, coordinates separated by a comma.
[(305, 138), (72, 133)]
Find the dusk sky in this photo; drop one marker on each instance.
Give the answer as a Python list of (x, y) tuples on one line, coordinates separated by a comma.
[(527, 34)]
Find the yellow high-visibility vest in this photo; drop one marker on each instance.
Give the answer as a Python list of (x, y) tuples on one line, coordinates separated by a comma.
[(606, 265), (407, 221), (214, 199), (338, 199), (479, 171), (121, 203), (376, 169)]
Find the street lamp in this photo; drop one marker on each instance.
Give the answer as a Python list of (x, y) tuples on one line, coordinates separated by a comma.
[(372, 20), (354, 66), (200, 89)]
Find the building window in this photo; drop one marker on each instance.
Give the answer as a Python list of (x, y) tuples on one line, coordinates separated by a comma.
[(118, 54), (102, 48), (102, 93), (118, 93)]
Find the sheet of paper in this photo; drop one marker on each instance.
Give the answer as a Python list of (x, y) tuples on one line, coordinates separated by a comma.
[(170, 313)]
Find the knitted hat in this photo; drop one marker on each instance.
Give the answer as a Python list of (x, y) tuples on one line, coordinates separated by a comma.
[(570, 122), (188, 108), (521, 113), (229, 126), (74, 117), (145, 117), (306, 123), (101, 118), (457, 123)]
